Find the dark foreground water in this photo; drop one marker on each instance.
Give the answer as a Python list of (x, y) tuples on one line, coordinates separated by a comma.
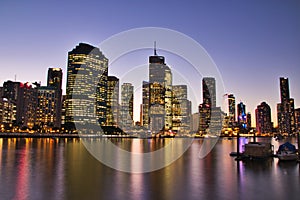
[(64, 169)]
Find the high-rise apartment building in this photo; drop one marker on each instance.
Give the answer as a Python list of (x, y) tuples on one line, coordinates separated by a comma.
[(285, 109), (48, 115), (49, 107), (7, 113), (86, 85), (263, 119), (24, 96)]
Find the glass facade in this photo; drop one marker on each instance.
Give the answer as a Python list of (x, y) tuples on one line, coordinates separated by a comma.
[(86, 91), (160, 95), (112, 112), (126, 112)]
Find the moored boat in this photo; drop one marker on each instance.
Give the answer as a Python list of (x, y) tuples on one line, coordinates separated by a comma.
[(287, 152)]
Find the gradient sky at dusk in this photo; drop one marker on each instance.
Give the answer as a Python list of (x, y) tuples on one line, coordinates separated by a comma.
[(253, 43)]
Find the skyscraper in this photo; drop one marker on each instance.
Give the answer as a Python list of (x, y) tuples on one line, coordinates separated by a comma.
[(54, 81), (55, 77), (241, 115), (112, 112), (297, 119), (263, 119), (86, 85), (284, 89), (210, 116), (209, 91), (48, 115), (126, 112), (231, 109), (7, 113), (145, 105), (160, 94), (24, 96), (181, 109), (285, 109), (204, 117)]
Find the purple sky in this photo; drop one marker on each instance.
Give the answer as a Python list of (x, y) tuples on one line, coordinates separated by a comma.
[(253, 43)]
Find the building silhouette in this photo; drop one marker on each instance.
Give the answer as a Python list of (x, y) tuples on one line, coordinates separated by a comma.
[(86, 90)]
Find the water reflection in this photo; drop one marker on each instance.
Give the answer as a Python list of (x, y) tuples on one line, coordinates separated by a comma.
[(64, 169)]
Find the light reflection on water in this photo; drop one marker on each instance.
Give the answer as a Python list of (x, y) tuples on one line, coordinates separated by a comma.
[(63, 169)]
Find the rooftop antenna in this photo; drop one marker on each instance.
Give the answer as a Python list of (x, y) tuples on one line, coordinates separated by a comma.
[(155, 48), (15, 77)]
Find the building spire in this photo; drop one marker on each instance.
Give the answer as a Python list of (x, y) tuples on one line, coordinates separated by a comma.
[(155, 48)]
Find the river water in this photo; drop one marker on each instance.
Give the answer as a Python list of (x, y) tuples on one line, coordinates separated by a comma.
[(49, 168)]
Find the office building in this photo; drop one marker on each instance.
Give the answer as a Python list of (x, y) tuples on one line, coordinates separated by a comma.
[(210, 116), (112, 112), (209, 91), (86, 91), (160, 94), (181, 109), (145, 105), (126, 112)]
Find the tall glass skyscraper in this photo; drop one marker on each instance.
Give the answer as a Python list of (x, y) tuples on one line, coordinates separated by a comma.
[(209, 91), (86, 91), (160, 94), (210, 116)]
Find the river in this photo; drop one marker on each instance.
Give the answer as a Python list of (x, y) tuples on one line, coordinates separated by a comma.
[(52, 168)]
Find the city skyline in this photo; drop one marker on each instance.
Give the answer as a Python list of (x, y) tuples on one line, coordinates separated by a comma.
[(208, 82), (253, 44)]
